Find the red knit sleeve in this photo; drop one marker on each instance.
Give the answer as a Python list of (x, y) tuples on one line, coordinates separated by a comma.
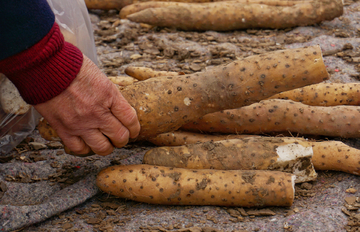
[(44, 70)]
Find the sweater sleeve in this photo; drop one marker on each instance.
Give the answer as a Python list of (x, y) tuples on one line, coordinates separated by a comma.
[(33, 53)]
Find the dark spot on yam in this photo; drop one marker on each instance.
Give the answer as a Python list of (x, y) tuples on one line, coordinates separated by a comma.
[(124, 180), (195, 85), (161, 190), (121, 190), (262, 75), (169, 92), (287, 66), (191, 191), (141, 187), (179, 88), (176, 108), (151, 197), (153, 179), (130, 170), (113, 181), (212, 196), (130, 189)]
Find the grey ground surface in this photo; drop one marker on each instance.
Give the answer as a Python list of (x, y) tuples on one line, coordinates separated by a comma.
[(48, 190)]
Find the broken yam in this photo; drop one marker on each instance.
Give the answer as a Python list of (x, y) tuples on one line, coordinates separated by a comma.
[(255, 153), (275, 115), (225, 16), (179, 186), (327, 155)]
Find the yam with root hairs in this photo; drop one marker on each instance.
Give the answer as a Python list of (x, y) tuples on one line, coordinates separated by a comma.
[(276, 116), (180, 186), (324, 94)]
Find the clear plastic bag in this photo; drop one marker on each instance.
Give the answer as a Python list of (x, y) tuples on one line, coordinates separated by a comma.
[(18, 119), (74, 21)]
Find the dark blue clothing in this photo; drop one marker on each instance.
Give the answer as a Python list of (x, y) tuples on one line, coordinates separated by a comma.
[(23, 23)]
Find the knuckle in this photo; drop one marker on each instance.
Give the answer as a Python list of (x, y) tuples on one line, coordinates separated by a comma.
[(103, 148)]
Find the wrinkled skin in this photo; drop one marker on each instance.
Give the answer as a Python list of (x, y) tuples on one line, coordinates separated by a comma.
[(91, 114)]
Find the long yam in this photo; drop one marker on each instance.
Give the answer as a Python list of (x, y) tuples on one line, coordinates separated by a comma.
[(277, 115), (233, 15), (179, 186), (164, 104)]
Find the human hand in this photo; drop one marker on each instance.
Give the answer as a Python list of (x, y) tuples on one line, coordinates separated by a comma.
[(91, 114)]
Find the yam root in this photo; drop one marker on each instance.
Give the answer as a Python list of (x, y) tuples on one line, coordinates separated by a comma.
[(164, 104), (277, 115), (142, 73), (225, 16), (254, 153), (178, 186), (122, 80), (178, 138), (324, 94)]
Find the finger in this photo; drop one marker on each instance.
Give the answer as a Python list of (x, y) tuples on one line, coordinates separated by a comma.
[(116, 132), (98, 142), (126, 114), (75, 144)]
